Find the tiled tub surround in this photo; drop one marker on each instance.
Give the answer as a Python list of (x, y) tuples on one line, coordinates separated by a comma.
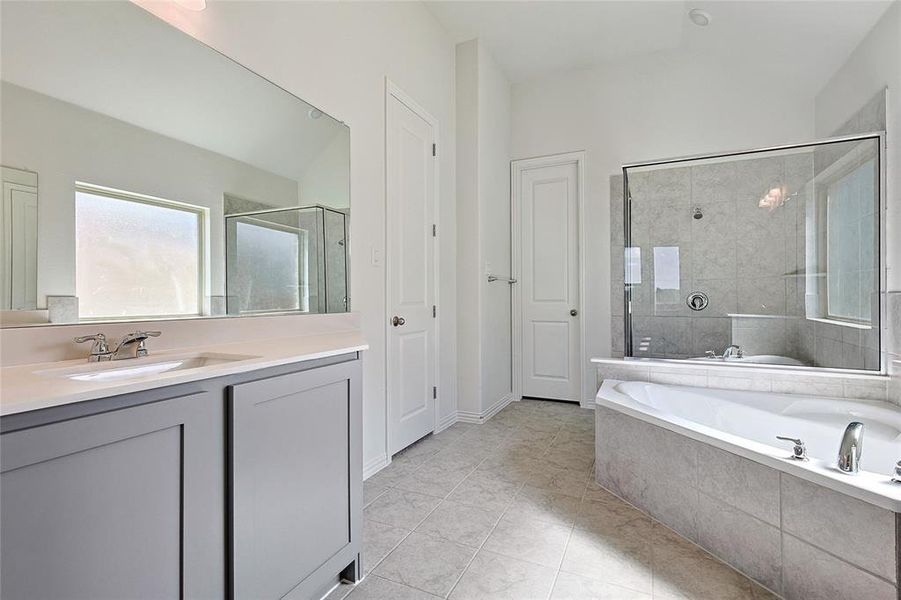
[(509, 510), (799, 539)]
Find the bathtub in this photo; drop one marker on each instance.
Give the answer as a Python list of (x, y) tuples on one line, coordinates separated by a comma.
[(747, 423), (706, 463)]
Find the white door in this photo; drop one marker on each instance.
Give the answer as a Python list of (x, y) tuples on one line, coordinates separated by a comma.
[(18, 240), (410, 275), (547, 223)]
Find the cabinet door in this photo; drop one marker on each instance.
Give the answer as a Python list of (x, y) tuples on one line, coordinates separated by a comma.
[(295, 472), (118, 505)]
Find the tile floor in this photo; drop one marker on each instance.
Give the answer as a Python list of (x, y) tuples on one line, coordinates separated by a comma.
[(509, 510)]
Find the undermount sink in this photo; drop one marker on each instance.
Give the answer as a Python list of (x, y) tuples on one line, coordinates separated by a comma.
[(141, 367)]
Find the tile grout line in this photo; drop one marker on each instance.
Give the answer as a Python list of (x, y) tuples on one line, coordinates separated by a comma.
[(479, 549)]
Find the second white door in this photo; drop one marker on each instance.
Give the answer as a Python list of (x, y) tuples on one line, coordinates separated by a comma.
[(546, 197), (411, 274)]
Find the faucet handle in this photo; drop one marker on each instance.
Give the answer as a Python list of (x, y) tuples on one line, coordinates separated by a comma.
[(799, 452), (142, 336), (896, 478), (97, 337), (99, 349), (99, 346)]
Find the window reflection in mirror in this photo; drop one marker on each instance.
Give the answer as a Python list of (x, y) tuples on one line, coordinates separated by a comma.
[(137, 256)]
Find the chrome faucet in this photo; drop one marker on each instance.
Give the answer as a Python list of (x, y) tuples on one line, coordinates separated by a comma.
[(799, 451), (733, 351), (850, 448), (99, 349), (131, 346)]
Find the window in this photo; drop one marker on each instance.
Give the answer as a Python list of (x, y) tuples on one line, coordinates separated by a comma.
[(851, 241), (136, 256)]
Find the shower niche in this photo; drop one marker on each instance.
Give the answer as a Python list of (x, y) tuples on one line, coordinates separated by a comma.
[(287, 260), (766, 256)]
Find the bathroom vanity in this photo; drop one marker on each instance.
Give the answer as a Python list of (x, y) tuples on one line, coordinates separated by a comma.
[(238, 479), (222, 458)]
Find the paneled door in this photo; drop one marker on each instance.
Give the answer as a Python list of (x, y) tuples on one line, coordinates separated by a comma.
[(410, 164), (546, 244)]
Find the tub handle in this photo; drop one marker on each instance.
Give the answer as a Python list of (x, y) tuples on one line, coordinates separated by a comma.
[(896, 478), (799, 452)]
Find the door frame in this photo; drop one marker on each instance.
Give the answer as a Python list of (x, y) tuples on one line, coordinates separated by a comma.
[(393, 90), (516, 169)]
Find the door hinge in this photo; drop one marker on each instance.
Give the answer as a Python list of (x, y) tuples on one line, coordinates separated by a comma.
[(434, 149), (434, 311), (434, 392), (434, 230)]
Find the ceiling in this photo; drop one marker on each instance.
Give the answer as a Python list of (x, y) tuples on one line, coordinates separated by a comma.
[(116, 59), (806, 40)]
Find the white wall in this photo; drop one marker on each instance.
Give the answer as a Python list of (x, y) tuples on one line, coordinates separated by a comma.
[(336, 56), (483, 221), (469, 301), (654, 107), (494, 244), (64, 143), (874, 65)]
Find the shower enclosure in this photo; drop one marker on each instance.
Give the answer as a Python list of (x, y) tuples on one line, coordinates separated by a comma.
[(286, 260), (765, 256)]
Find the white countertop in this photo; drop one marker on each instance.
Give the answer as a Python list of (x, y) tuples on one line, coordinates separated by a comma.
[(23, 388)]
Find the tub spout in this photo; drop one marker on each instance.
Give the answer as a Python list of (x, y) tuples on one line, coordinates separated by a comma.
[(850, 448)]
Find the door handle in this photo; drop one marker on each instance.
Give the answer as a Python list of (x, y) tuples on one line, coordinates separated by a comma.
[(398, 321), (573, 312)]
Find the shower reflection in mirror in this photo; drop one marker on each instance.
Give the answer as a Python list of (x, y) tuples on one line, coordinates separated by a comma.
[(283, 260)]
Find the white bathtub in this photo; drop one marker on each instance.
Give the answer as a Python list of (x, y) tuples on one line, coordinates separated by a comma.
[(747, 423)]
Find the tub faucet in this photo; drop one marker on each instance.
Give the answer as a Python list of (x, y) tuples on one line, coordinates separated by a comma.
[(799, 451), (850, 448), (733, 351)]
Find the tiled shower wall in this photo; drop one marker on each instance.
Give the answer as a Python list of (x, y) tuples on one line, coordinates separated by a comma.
[(828, 344), (746, 259)]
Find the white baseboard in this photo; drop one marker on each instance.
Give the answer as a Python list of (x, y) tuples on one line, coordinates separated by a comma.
[(446, 422), (590, 403), (375, 465), (476, 417)]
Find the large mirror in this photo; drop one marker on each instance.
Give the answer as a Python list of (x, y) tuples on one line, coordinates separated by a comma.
[(147, 176)]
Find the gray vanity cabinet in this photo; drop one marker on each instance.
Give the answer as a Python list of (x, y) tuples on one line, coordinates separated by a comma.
[(295, 476), (246, 486), (115, 505)]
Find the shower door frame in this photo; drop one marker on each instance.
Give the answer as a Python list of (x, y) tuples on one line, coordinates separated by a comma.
[(882, 164)]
